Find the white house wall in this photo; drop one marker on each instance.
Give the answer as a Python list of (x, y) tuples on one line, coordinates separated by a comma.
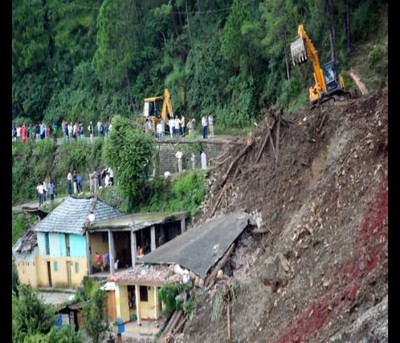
[(41, 243), (55, 248)]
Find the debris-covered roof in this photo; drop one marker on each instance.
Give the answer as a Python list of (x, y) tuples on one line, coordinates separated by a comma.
[(144, 274), (138, 221), (26, 243), (72, 215), (200, 248)]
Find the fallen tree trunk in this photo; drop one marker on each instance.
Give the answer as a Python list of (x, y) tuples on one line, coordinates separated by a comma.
[(211, 278), (263, 145), (363, 89)]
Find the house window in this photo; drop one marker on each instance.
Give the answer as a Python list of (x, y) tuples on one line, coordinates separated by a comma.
[(47, 243), (143, 294), (56, 266), (67, 247), (77, 267), (105, 237)]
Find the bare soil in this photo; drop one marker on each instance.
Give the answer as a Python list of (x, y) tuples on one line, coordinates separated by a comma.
[(320, 193)]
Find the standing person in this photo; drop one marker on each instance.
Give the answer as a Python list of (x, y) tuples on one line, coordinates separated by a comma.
[(106, 127), (44, 191), (69, 179), (79, 183), (55, 126), (64, 128), (46, 133), (107, 180), (30, 132), (211, 125), (37, 132), (204, 124), (177, 126), (76, 130), (14, 133), (171, 125), (183, 125), (50, 189), (98, 174), (90, 129), (190, 127), (111, 172), (70, 131), (98, 127), (81, 131), (74, 178), (159, 130), (42, 130), (18, 133), (203, 158), (178, 155), (24, 133), (39, 189)]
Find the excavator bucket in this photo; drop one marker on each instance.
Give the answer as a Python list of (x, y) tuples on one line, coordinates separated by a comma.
[(298, 51)]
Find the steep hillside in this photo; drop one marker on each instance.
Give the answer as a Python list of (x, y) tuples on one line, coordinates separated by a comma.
[(318, 273)]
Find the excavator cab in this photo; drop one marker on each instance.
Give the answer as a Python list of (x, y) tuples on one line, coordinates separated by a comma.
[(331, 77)]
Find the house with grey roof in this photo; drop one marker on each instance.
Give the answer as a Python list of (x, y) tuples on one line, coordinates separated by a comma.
[(24, 252), (63, 251)]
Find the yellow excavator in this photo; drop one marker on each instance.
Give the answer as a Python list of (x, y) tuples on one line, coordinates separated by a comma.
[(158, 108), (328, 83)]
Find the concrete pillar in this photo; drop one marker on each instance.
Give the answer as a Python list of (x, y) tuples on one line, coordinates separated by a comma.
[(137, 300), (111, 251), (183, 225), (88, 254), (153, 238), (156, 306), (118, 301), (133, 248)]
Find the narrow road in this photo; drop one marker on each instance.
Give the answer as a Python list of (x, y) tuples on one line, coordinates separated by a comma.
[(34, 204)]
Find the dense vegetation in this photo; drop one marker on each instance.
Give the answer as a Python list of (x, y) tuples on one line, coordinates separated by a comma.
[(89, 59)]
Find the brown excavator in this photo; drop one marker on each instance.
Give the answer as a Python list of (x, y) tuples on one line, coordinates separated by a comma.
[(328, 83)]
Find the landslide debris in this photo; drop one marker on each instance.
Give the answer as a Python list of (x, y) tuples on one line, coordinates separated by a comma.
[(316, 181)]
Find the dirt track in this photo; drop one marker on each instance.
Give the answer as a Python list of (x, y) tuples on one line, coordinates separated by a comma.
[(321, 191)]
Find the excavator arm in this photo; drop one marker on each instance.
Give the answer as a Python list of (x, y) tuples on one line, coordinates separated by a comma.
[(303, 49), (166, 106)]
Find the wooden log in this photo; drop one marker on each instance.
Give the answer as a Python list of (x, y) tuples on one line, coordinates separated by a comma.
[(217, 203), (168, 327), (263, 145), (264, 230), (241, 154), (180, 324), (363, 89), (211, 278)]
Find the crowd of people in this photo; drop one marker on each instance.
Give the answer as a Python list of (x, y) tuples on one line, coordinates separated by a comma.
[(46, 190), (177, 127), (77, 130), (70, 130)]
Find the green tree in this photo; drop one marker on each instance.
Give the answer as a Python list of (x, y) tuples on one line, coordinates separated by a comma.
[(30, 315), (97, 325), (129, 152)]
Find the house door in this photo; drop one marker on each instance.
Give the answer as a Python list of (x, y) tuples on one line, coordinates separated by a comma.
[(49, 274), (69, 263)]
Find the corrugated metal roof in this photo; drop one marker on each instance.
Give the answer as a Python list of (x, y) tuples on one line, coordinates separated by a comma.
[(200, 248), (72, 215)]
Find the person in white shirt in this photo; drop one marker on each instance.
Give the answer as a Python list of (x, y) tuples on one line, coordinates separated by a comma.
[(107, 181), (178, 155), (159, 131), (204, 124), (171, 124), (39, 189), (177, 123), (111, 173)]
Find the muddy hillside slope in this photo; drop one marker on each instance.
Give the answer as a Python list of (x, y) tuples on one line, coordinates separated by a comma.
[(316, 270)]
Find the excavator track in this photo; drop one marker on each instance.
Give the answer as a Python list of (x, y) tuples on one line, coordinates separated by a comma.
[(328, 100)]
